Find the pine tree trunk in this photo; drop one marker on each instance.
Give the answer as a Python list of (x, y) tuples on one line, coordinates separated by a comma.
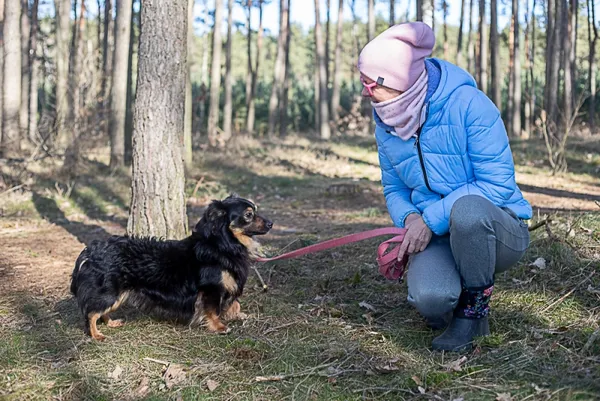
[(11, 131), (1, 69), (34, 72), (532, 92), (324, 130), (445, 27), (327, 38), (552, 62), (470, 43), (392, 13), (427, 12), (228, 109), (63, 9), (25, 28), (419, 10), (259, 44), (573, 25), (130, 92), (249, 58), (187, 122), (107, 54), (99, 40), (483, 53), (158, 180), (592, 39), (204, 77), (283, 103), (215, 78), (371, 20), (337, 67), (566, 65), (459, 50), (276, 88), (516, 112), (494, 53), (511, 76), (76, 74), (118, 101), (528, 83)]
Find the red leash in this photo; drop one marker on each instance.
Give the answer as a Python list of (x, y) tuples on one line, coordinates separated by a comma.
[(388, 262)]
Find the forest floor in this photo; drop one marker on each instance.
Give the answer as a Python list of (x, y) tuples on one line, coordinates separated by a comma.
[(329, 327)]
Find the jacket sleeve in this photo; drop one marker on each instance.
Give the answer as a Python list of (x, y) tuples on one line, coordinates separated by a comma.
[(491, 158), (397, 194)]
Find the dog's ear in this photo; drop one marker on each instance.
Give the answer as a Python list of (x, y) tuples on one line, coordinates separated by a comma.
[(214, 218)]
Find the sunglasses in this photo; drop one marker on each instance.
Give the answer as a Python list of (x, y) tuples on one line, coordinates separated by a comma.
[(368, 86)]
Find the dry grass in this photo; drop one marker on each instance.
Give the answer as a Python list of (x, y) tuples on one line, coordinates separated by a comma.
[(307, 337)]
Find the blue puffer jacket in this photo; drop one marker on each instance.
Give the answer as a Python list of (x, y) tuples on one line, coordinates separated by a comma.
[(461, 149)]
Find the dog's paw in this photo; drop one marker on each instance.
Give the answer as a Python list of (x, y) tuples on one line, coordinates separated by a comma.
[(241, 316), (115, 323), (99, 337)]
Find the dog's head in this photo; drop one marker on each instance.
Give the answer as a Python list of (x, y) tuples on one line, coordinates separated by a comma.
[(234, 215)]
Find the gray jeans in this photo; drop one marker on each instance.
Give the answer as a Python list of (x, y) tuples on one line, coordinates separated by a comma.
[(483, 240)]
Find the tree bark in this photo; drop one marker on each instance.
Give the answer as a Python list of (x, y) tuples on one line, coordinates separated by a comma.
[(107, 54), (250, 120), (528, 82), (445, 27), (483, 53), (494, 53), (11, 138), (516, 73), (187, 125), (158, 180), (470, 43), (204, 75), (25, 27), (228, 109), (459, 50), (511, 77), (337, 68), (552, 62), (427, 12), (130, 90), (283, 104), (1, 68), (327, 38), (419, 10), (276, 88), (118, 101), (592, 39), (215, 78), (371, 20), (324, 129), (76, 73), (63, 9), (532, 91), (248, 55), (392, 13), (566, 64), (573, 26), (34, 62)]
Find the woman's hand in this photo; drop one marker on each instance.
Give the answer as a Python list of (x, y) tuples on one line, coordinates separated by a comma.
[(417, 236)]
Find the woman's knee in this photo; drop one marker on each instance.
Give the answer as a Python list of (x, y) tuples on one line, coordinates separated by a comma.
[(470, 214), (434, 302)]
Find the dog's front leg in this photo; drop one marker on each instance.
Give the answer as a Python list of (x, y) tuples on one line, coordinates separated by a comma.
[(233, 312), (206, 310)]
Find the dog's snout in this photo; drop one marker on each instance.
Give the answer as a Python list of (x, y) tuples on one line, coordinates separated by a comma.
[(269, 224)]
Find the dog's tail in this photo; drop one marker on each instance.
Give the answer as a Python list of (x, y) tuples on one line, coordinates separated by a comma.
[(81, 260)]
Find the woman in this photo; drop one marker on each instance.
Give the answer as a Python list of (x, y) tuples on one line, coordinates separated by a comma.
[(448, 177)]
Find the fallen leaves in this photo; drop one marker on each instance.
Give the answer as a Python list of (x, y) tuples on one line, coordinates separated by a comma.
[(367, 306), (143, 388), (174, 374), (211, 385), (456, 366), (116, 373)]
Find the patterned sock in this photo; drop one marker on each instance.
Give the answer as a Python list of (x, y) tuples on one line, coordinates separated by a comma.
[(474, 303)]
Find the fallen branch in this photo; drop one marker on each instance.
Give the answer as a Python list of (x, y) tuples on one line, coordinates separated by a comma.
[(591, 340), (278, 328), (197, 187), (264, 285), (157, 361), (539, 224), (558, 301), (12, 189), (262, 379)]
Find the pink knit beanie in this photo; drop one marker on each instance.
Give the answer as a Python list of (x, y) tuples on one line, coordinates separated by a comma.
[(396, 57)]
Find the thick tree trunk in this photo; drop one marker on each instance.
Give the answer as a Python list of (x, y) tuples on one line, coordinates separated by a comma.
[(392, 13), (495, 54), (337, 67), (215, 78), (483, 53), (34, 62), (593, 40), (470, 43), (11, 130), (25, 27), (187, 125), (228, 109), (459, 49), (250, 120), (118, 101), (284, 101), (63, 9), (324, 130), (516, 73), (276, 88), (107, 54), (158, 180)]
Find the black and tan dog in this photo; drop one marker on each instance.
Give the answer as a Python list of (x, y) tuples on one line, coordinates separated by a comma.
[(197, 279)]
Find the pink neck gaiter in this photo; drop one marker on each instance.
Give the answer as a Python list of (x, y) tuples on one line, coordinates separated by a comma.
[(405, 112)]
